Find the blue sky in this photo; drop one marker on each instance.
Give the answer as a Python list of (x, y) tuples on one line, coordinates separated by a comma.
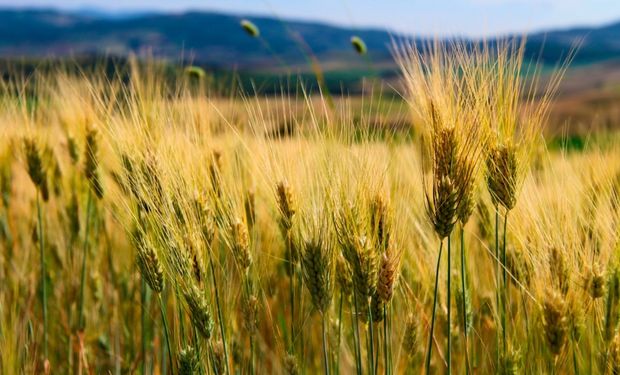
[(427, 17)]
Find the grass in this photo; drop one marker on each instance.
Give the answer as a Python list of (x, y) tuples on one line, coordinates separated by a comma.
[(313, 250)]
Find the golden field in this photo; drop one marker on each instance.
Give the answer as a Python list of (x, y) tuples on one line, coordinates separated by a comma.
[(146, 228)]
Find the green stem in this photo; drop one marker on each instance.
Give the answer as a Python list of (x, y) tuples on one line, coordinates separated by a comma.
[(504, 285), (81, 323), (498, 285), (43, 276), (575, 346), (356, 335), (448, 300), (386, 362), (591, 356), (177, 296), (371, 349), (430, 338), (575, 363), (527, 325), (302, 343), (376, 360), (166, 331), (389, 318), (248, 292), (337, 364), (219, 312), (143, 322), (69, 339), (252, 354), (325, 360), (291, 265), (464, 304), (211, 366), (201, 370)]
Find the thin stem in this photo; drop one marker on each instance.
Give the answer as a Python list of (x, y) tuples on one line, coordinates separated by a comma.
[(199, 352), (504, 285), (219, 312), (248, 292), (386, 362), (591, 356), (449, 323), (302, 343), (143, 322), (81, 323), (371, 351), (69, 339), (575, 363), (356, 334), (325, 360), (464, 304), (252, 354), (211, 360), (43, 276), (143, 309), (430, 338), (177, 296), (376, 360), (166, 332), (291, 265), (527, 324), (389, 319), (339, 332), (498, 284)]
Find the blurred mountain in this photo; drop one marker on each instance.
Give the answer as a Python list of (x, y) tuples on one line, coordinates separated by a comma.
[(41, 40), (208, 38), (597, 44), (217, 39)]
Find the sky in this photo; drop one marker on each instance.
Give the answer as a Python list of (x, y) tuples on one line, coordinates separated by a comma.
[(419, 17)]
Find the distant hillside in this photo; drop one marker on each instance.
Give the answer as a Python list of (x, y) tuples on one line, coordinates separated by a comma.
[(216, 39), (208, 38), (596, 44)]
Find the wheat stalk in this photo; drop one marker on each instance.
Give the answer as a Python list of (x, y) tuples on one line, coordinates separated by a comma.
[(318, 265), (38, 176)]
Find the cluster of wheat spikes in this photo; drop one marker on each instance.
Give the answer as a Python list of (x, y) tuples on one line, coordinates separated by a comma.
[(477, 105), (152, 228)]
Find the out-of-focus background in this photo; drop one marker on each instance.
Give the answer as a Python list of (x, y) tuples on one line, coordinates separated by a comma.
[(296, 39)]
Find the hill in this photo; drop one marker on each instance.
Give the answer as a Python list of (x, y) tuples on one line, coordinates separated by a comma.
[(588, 96), (207, 38), (216, 39)]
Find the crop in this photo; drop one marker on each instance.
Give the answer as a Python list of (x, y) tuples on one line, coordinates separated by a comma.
[(148, 227)]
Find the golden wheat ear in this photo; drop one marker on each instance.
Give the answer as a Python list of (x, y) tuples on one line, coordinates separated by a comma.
[(149, 265), (91, 162), (35, 165), (503, 175), (555, 322), (189, 363), (286, 205), (199, 311), (241, 244)]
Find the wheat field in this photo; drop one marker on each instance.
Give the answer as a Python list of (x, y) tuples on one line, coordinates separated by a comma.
[(165, 229)]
